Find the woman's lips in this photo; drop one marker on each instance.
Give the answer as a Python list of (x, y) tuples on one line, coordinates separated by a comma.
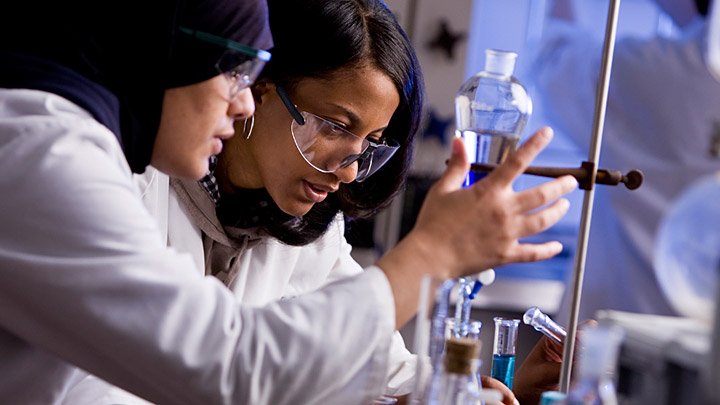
[(218, 141), (316, 193), (217, 146)]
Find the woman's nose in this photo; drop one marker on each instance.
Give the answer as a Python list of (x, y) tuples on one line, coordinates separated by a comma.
[(348, 173), (242, 105)]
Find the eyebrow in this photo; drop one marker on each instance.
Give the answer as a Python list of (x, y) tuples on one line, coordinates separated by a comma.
[(355, 118)]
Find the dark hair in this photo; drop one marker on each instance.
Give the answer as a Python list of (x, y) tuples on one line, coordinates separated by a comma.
[(318, 38), (135, 55), (702, 6)]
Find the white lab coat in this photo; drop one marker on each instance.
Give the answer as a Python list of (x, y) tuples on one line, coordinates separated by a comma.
[(267, 269), (86, 280), (662, 118)]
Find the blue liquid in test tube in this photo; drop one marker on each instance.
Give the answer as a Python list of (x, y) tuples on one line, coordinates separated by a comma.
[(503, 368), (503, 365)]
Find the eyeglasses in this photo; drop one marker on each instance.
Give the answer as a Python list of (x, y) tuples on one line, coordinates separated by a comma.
[(240, 64), (328, 147)]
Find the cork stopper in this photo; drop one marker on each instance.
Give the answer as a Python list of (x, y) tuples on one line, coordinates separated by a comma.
[(459, 355)]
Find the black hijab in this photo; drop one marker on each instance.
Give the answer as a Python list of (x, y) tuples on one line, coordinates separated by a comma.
[(116, 58)]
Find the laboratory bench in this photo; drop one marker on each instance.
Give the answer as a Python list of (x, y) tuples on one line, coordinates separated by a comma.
[(661, 358)]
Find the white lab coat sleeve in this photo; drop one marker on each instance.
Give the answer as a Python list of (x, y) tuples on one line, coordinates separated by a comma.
[(85, 275), (345, 265), (402, 363), (402, 368), (91, 390)]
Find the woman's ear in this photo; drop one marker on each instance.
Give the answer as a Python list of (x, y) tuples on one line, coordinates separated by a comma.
[(261, 90)]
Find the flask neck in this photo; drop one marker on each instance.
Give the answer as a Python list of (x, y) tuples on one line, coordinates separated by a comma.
[(499, 63), (458, 366)]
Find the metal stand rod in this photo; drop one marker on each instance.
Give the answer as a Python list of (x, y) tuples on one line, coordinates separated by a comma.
[(594, 156)]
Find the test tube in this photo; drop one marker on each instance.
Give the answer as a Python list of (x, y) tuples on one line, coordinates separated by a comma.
[(503, 363), (542, 323)]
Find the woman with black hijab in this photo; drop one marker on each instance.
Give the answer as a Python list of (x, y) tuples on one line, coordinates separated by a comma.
[(86, 281), (81, 97)]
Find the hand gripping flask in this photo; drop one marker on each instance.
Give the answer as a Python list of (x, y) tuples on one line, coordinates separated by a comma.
[(491, 111)]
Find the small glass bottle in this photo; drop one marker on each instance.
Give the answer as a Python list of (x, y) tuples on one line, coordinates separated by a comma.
[(471, 330), (491, 110), (457, 384), (503, 363), (593, 383)]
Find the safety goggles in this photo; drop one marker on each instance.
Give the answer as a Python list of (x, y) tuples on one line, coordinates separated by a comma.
[(328, 147), (240, 64)]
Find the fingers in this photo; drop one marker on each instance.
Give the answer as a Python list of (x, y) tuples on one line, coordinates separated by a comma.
[(507, 394), (517, 162), (457, 168), (553, 351), (547, 217), (535, 252), (545, 193)]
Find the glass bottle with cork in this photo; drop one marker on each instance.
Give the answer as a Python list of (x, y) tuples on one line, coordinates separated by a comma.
[(457, 384)]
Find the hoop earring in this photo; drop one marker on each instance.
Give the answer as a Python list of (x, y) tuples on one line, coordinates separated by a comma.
[(252, 125)]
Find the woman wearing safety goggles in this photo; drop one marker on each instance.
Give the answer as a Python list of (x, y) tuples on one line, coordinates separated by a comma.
[(331, 134), (336, 110)]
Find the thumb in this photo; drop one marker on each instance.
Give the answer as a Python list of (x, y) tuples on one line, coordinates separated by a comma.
[(457, 168)]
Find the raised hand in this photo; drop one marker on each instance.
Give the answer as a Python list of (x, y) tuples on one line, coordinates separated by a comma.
[(479, 227), (461, 231)]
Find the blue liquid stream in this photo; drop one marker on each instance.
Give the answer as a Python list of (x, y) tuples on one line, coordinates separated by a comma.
[(503, 368)]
